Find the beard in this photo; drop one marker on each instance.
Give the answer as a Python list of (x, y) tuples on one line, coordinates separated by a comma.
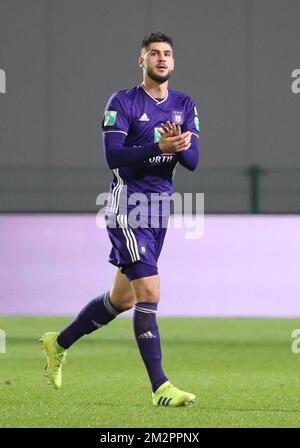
[(158, 78)]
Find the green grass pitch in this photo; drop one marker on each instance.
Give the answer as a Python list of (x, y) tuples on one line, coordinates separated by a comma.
[(242, 370)]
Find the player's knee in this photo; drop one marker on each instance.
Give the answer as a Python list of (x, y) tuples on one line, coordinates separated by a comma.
[(127, 304), (147, 294), (123, 302)]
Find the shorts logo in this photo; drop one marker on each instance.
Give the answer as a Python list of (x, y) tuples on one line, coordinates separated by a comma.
[(177, 117), (143, 249), (110, 117)]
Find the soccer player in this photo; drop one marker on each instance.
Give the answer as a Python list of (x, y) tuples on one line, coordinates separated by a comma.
[(147, 130)]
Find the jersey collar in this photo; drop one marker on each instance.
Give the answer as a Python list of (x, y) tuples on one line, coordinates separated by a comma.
[(157, 102)]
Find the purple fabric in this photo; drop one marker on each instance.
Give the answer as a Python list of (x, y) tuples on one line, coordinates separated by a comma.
[(138, 270), (118, 155), (133, 116), (190, 158), (148, 340), (94, 315), (143, 244), (243, 266)]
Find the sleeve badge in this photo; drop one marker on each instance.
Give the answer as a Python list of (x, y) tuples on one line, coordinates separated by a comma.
[(110, 117)]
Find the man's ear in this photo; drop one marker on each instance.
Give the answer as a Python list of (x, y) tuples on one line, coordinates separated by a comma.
[(141, 61)]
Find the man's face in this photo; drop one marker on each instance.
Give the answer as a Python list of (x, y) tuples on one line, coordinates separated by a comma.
[(157, 61)]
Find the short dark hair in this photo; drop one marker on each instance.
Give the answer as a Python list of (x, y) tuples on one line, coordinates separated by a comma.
[(156, 37)]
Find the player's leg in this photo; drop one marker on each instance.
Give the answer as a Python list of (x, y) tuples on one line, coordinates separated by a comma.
[(121, 293), (95, 314), (98, 312), (147, 294), (146, 330)]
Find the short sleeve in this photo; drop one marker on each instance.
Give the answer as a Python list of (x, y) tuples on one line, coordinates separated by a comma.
[(191, 122), (115, 115)]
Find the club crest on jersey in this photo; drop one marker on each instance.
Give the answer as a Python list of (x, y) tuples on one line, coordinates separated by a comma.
[(177, 117)]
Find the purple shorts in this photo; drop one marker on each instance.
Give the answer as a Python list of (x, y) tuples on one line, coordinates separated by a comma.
[(135, 250)]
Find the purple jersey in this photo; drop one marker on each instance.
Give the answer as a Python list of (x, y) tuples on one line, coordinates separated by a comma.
[(131, 138)]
